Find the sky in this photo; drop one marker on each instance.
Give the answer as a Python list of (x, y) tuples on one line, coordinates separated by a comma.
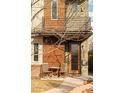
[(91, 5), (90, 8)]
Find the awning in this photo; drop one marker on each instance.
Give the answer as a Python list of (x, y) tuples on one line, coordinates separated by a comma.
[(68, 35)]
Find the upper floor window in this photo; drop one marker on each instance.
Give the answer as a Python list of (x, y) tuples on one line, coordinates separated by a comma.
[(74, 6), (54, 6)]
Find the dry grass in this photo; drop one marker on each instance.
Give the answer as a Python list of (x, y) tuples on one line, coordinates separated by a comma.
[(39, 86)]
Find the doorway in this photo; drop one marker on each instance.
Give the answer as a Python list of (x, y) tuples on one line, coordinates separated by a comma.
[(75, 51), (90, 62)]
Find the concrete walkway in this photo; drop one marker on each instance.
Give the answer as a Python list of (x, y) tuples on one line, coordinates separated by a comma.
[(68, 85), (88, 88)]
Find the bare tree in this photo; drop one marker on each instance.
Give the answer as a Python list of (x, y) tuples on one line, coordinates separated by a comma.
[(63, 36)]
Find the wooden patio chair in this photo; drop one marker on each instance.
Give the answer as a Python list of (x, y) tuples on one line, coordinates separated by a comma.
[(45, 70), (62, 70)]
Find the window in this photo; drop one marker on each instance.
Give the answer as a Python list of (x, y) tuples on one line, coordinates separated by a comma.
[(35, 51), (50, 40), (54, 9), (74, 6)]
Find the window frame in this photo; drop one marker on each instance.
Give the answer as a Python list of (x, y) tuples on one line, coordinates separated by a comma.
[(36, 54), (74, 6), (56, 10)]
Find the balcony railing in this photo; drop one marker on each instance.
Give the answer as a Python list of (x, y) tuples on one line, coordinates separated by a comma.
[(79, 24), (75, 24)]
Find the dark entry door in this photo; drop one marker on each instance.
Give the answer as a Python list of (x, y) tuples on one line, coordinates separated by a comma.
[(75, 58)]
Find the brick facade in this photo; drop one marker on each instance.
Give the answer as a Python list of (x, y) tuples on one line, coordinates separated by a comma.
[(49, 51), (53, 54), (36, 71), (52, 24)]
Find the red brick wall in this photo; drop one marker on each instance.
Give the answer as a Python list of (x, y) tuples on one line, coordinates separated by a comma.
[(54, 24), (53, 55), (35, 71)]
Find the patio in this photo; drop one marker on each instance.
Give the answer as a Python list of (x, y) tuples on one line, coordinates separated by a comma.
[(69, 85), (50, 72)]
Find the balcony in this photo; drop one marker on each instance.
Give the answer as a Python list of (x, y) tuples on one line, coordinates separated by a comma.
[(78, 23), (75, 24), (78, 28)]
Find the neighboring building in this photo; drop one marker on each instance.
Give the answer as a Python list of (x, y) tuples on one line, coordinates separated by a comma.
[(59, 28)]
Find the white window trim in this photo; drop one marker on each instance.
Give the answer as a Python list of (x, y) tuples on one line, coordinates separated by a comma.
[(57, 10)]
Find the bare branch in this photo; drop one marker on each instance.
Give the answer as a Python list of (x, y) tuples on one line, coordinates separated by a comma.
[(34, 3), (37, 13)]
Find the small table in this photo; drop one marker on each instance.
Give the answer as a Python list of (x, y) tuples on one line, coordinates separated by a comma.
[(55, 70)]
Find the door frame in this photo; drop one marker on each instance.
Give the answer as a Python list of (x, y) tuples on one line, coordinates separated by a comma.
[(78, 71)]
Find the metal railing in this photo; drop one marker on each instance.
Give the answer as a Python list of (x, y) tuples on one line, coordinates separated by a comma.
[(79, 24), (75, 24)]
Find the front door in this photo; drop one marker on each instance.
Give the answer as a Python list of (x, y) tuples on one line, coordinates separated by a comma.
[(75, 58)]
